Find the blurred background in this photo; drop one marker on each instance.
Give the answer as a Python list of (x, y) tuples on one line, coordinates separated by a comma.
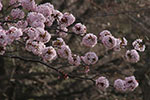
[(20, 80)]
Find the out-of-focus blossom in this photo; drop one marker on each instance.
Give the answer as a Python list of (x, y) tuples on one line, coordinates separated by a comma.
[(102, 83), (89, 58), (132, 56), (89, 40), (138, 45)]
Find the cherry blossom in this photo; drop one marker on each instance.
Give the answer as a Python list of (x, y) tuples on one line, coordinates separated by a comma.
[(64, 51), (119, 85), (132, 56), (79, 29), (44, 36), (104, 33), (32, 33), (89, 40), (90, 58), (66, 20), (58, 43), (109, 41), (102, 83), (48, 53), (131, 83), (29, 5), (17, 13), (74, 60), (138, 45), (36, 19)]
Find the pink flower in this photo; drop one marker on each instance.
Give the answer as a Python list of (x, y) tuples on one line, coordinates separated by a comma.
[(132, 56), (49, 21), (62, 32), (90, 58), (49, 5), (38, 48), (48, 54), (79, 29), (131, 83), (67, 20), (102, 83), (32, 33), (58, 43), (14, 33), (89, 40), (35, 17), (17, 13), (44, 36), (64, 51), (74, 60), (21, 24), (30, 45), (104, 33), (28, 5), (57, 15), (44, 9), (138, 45), (37, 24), (118, 45), (119, 85), (35, 47), (109, 41)]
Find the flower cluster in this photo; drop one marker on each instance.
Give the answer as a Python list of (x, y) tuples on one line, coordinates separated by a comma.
[(133, 55), (8, 36), (129, 84), (110, 42), (32, 25)]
